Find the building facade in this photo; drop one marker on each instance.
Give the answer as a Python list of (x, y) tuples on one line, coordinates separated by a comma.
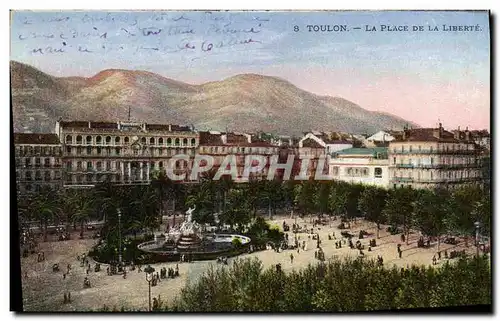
[(219, 145), (434, 157), (121, 152), (38, 160), (316, 146), (368, 166)]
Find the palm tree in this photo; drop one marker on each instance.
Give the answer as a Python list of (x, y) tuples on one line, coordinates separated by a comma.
[(44, 209), (161, 183), (202, 198), (83, 213), (225, 184), (144, 204), (67, 202)]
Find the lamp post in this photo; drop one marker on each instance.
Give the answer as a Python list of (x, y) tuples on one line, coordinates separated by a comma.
[(149, 277), (478, 226), (119, 237)]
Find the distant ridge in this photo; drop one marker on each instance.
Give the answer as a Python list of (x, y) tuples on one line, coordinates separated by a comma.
[(246, 102)]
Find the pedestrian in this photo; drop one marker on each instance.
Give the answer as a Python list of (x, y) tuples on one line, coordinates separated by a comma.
[(65, 298), (64, 276), (291, 258), (400, 253), (69, 297), (434, 260), (439, 255)]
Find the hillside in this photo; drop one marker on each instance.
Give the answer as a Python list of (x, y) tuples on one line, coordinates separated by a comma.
[(247, 102)]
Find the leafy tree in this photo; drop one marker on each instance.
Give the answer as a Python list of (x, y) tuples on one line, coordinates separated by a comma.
[(324, 287), (481, 212), (371, 203), (237, 210), (339, 199), (429, 214), (355, 191), (464, 199), (399, 208), (323, 197)]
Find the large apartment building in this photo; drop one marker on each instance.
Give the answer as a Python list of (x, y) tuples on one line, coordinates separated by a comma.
[(434, 157), (218, 145), (38, 159), (121, 152)]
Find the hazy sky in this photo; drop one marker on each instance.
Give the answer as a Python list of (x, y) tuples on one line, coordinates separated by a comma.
[(421, 76)]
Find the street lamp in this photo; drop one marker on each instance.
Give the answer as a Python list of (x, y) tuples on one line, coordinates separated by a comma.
[(478, 226), (149, 277), (119, 237)]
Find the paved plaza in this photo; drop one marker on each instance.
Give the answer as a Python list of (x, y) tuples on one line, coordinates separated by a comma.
[(43, 289)]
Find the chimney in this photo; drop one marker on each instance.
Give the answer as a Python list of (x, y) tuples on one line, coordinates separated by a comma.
[(456, 134), (467, 134), (89, 125), (169, 128), (438, 132), (406, 133)]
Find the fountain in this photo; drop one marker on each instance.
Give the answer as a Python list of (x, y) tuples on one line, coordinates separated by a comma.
[(190, 238)]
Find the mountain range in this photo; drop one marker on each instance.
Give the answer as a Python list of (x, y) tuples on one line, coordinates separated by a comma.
[(246, 103)]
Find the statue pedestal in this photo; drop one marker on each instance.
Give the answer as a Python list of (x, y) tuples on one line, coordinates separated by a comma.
[(191, 241)]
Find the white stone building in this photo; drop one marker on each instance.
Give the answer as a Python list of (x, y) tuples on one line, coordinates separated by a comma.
[(368, 166)]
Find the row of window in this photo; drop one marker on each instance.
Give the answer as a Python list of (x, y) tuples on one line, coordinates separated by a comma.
[(39, 162), (357, 171), (237, 150), (444, 161), (38, 150), (108, 140), (112, 165), (118, 151), (445, 147), (38, 176), (440, 175), (33, 187)]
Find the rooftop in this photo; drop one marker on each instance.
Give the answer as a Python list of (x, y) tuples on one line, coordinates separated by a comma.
[(113, 126), (362, 151), (36, 139), (433, 135)]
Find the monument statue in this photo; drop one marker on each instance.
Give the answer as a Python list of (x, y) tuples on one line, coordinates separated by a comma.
[(189, 214)]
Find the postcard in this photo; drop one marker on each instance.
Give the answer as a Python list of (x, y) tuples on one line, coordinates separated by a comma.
[(257, 161)]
